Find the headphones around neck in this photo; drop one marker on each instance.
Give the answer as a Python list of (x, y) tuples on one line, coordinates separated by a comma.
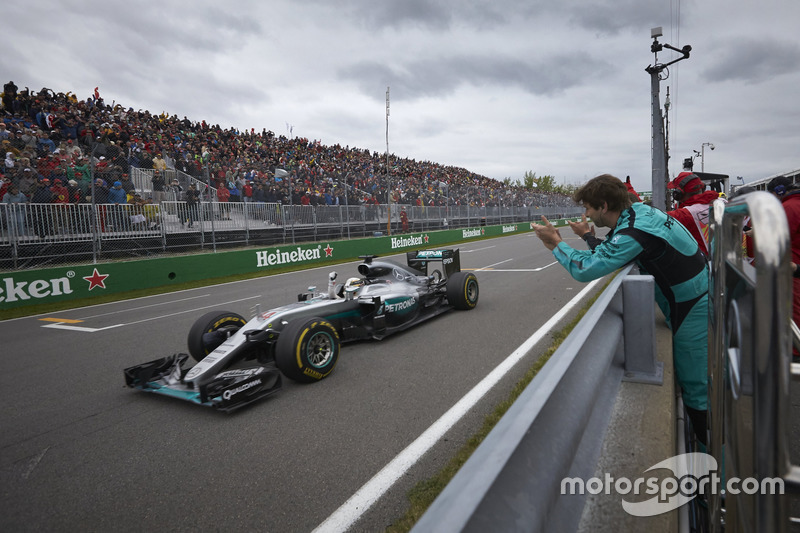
[(679, 192)]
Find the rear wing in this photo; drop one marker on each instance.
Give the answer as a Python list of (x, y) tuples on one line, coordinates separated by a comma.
[(450, 260)]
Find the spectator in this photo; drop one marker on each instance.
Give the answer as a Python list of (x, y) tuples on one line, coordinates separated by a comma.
[(159, 164), (693, 206), (117, 195), (5, 184), (100, 201), (84, 181), (404, 219), (233, 189), (223, 196), (72, 149), (9, 95), (127, 185), (41, 220), (74, 192), (17, 214), (789, 195), (660, 247), (60, 193), (45, 145), (192, 204), (27, 183), (120, 220), (149, 139), (42, 194), (100, 192), (159, 185)]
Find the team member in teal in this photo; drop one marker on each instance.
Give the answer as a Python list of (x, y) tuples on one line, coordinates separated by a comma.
[(660, 246)]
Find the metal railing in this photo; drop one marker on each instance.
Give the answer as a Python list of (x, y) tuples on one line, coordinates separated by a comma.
[(554, 430), (749, 362), (41, 234)]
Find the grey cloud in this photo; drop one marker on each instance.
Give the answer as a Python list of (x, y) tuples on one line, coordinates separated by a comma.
[(753, 61), (441, 15), (174, 27), (416, 12), (438, 78), (603, 16), (613, 16)]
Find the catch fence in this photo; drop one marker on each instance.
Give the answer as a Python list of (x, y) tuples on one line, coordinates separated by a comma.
[(38, 235)]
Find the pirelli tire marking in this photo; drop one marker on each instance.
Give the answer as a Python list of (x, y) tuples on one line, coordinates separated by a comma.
[(209, 323), (308, 351), (463, 291)]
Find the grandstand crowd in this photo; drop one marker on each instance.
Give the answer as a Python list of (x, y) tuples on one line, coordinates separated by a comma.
[(55, 142)]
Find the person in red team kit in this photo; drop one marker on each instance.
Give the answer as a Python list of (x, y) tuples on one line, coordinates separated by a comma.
[(789, 195), (694, 203)]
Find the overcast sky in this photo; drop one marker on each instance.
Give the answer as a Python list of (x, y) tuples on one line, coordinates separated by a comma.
[(498, 87)]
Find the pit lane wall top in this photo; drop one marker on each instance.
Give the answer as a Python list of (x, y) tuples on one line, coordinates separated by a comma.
[(85, 282)]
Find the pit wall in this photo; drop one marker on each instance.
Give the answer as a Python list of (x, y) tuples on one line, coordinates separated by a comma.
[(84, 282)]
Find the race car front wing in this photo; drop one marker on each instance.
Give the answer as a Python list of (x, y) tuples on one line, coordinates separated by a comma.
[(226, 391)]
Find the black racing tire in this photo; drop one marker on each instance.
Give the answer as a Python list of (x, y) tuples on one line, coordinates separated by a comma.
[(307, 350), (209, 323), (462, 290)]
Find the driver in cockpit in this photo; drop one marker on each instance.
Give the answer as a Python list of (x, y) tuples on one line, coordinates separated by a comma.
[(350, 290)]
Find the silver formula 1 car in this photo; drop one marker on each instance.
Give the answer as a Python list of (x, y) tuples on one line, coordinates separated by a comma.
[(240, 361)]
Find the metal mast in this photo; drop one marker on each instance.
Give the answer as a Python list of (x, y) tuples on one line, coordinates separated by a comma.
[(388, 179), (659, 146)]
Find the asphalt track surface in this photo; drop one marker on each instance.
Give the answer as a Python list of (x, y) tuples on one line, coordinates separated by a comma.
[(81, 452)]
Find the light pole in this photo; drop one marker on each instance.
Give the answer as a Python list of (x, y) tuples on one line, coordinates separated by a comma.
[(702, 155), (659, 71), (346, 207), (388, 179)]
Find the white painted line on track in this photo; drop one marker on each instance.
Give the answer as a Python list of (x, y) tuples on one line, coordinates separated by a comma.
[(476, 249), (129, 309), (191, 310), (80, 328), (542, 268), (360, 502), (489, 267), (92, 330)]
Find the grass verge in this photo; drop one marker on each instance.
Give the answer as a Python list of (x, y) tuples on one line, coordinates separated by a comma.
[(421, 496)]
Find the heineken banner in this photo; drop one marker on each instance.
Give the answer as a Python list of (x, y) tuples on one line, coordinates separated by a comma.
[(87, 281)]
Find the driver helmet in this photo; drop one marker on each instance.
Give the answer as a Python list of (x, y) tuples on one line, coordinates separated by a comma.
[(353, 286)]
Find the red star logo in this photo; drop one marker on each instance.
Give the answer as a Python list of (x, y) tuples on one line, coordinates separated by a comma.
[(96, 280), (426, 239), (328, 251)]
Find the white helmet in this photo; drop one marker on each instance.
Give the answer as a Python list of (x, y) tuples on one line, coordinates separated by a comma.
[(353, 285)]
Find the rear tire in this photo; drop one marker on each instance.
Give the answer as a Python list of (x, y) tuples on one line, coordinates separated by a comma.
[(210, 323), (463, 291), (307, 351)]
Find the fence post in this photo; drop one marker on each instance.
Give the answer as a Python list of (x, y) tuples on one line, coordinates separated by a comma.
[(639, 331)]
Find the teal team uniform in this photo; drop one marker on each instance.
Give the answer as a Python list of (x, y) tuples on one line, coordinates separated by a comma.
[(663, 248)]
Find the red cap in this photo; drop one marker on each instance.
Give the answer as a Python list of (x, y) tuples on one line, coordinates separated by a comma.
[(687, 182)]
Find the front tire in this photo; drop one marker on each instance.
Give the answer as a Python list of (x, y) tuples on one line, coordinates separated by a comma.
[(307, 351), (211, 330), (462, 291)]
